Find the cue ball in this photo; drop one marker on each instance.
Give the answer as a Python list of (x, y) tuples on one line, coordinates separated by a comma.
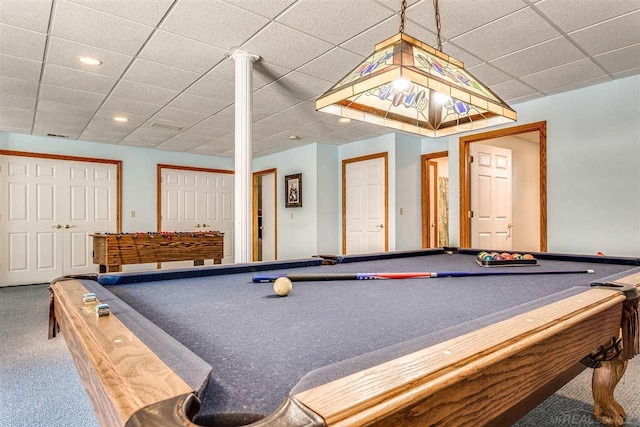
[(282, 286)]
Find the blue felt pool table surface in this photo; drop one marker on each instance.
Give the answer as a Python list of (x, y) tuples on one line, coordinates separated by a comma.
[(263, 347)]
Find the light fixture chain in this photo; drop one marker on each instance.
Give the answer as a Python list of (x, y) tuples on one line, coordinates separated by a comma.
[(435, 5), (402, 12)]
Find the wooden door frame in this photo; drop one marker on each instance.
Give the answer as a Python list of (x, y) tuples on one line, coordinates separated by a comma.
[(426, 194), (118, 164), (159, 168), (345, 162), (256, 175), (465, 176)]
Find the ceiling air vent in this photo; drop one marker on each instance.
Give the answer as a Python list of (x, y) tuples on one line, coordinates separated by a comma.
[(55, 135), (164, 126)]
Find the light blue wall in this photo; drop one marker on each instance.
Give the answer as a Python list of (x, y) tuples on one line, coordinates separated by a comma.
[(408, 192), (138, 169), (593, 168), (297, 227), (329, 218)]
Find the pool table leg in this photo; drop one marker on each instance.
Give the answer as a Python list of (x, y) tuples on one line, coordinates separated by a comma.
[(605, 378)]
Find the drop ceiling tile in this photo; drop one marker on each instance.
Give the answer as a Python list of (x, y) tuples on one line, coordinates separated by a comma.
[(65, 53), (283, 121), (564, 75), (363, 44), (49, 128), (121, 105), (144, 93), (75, 79), (34, 17), (90, 26), (10, 129), (106, 117), (208, 132), (571, 15), (20, 68), (61, 119), (337, 24), (264, 73), (71, 96), (579, 85), (460, 54), (506, 35), (314, 128), (609, 35), (199, 104), (22, 43), (333, 65), (543, 56), (186, 118), (271, 101), (348, 133), (102, 137), (620, 60), (269, 9), (512, 89), (20, 102), (219, 123), (335, 121), (489, 75), (627, 73), (214, 88), (298, 85), (141, 141), (459, 16), (159, 75), (265, 130), (13, 117), (186, 141), (9, 86), (225, 70), (181, 52), (305, 110), (395, 5), (292, 49), (211, 149), (51, 107), (213, 22), (144, 12), (154, 132)]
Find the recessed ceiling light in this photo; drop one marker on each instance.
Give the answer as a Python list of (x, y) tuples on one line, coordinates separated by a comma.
[(294, 137), (344, 120), (87, 60), (120, 119)]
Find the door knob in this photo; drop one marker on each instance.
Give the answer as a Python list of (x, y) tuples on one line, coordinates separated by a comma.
[(68, 226), (205, 225), (380, 226), (56, 226), (510, 226), (197, 225)]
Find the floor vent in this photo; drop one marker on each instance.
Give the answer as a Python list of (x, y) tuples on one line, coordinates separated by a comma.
[(164, 126)]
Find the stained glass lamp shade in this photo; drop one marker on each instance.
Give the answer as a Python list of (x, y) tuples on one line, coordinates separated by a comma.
[(410, 86)]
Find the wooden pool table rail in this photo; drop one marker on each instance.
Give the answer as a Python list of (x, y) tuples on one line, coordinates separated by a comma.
[(495, 373)]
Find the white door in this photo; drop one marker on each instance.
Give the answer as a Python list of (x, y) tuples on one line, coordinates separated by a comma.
[(491, 197), (49, 208), (365, 206), (197, 201), (268, 216)]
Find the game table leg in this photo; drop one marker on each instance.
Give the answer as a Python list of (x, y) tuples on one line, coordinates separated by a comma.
[(604, 381)]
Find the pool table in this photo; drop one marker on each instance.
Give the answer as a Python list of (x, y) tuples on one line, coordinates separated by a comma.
[(207, 346)]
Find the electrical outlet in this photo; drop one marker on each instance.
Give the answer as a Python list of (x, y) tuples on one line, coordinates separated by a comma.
[(291, 215), (133, 214), (401, 211)]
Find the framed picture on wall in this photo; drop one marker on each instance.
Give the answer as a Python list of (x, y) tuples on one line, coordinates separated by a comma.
[(293, 190)]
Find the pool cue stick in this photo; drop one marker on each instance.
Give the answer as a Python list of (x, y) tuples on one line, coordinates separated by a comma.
[(260, 278)]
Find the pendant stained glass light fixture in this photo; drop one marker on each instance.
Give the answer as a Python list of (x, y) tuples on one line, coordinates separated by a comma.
[(413, 87)]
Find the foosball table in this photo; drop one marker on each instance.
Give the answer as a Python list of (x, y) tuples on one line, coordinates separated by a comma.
[(112, 250)]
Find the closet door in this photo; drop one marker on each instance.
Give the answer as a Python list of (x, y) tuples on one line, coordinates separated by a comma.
[(48, 210)]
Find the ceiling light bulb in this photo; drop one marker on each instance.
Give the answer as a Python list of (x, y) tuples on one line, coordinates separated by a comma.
[(120, 119), (441, 98), (401, 84), (294, 137), (344, 120), (87, 60)]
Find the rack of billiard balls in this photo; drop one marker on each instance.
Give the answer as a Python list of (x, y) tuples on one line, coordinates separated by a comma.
[(497, 259)]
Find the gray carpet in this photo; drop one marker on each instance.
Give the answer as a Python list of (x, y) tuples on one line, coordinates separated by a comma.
[(39, 385)]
